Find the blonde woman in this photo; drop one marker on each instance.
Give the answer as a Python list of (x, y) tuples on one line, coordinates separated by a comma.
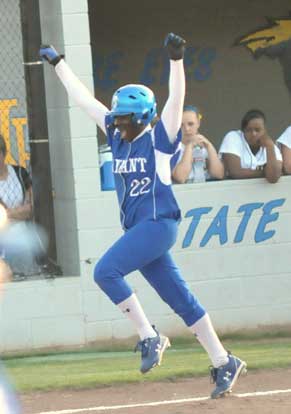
[(182, 162)]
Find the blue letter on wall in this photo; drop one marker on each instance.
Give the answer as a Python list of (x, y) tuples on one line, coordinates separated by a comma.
[(104, 69), (196, 213), (248, 210), (267, 217), (217, 227), (152, 61)]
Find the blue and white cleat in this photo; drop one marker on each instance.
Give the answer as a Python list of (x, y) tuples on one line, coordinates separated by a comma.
[(152, 350), (226, 376)]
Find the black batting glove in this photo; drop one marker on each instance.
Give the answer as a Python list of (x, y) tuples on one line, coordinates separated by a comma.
[(175, 46)]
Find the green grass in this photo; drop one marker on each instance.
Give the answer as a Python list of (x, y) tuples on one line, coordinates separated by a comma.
[(91, 368)]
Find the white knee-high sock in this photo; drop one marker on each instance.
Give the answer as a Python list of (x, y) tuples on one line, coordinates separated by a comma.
[(206, 335), (133, 310)]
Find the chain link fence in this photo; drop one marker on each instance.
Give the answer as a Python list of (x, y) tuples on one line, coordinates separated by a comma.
[(13, 112), (15, 137)]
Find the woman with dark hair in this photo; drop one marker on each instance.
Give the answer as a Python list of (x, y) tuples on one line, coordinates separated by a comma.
[(250, 152), (15, 188), (16, 198)]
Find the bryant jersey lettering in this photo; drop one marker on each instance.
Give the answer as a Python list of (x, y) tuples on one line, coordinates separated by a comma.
[(130, 165)]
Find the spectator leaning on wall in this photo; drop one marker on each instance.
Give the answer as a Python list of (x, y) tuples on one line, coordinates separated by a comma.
[(284, 142), (183, 161), (16, 198), (250, 152)]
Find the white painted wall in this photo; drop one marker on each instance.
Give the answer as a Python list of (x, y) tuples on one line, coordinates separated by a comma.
[(243, 285), (72, 135)]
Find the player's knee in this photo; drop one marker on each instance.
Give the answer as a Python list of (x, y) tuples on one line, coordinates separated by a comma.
[(99, 273), (103, 273), (190, 311)]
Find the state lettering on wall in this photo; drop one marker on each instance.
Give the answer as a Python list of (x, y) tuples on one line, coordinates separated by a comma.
[(219, 226)]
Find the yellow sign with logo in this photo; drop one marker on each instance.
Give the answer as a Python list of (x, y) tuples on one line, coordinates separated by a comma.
[(18, 123)]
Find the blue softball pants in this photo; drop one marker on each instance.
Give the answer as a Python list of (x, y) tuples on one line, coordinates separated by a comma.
[(145, 247)]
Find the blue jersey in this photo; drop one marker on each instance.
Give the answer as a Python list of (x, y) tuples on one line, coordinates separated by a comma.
[(174, 160), (142, 175)]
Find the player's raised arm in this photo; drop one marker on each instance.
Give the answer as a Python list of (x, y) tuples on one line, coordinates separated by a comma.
[(173, 110), (79, 93)]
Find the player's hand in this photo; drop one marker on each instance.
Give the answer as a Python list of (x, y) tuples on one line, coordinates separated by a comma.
[(175, 46), (50, 54), (196, 139), (202, 141), (266, 141)]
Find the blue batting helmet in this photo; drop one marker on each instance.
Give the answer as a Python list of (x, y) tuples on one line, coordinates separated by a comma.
[(136, 100)]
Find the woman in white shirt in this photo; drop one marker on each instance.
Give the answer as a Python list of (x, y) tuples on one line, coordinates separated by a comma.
[(182, 161), (17, 200), (250, 152), (284, 142)]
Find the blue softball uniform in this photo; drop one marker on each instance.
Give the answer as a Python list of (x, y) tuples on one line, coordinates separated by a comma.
[(149, 215), (148, 209), (143, 176)]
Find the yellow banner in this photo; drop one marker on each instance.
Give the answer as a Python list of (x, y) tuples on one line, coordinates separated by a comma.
[(6, 122)]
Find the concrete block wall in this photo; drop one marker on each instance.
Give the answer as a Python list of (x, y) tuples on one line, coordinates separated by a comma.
[(243, 285), (72, 135)]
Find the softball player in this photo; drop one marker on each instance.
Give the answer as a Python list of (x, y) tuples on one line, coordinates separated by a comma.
[(148, 210)]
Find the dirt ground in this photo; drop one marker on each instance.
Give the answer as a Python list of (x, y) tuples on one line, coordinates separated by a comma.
[(86, 400)]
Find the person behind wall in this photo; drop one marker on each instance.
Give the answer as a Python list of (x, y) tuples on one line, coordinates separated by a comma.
[(16, 198), (250, 152), (183, 162), (284, 143), (148, 210)]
